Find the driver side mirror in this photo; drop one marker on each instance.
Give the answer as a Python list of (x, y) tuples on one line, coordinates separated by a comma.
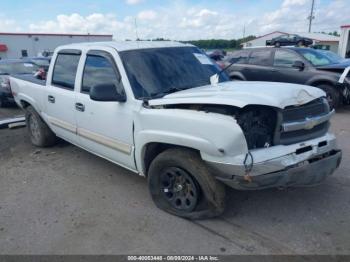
[(299, 65), (107, 93)]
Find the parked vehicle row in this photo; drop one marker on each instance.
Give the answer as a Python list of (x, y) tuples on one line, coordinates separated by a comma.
[(27, 66), (322, 69), (165, 111)]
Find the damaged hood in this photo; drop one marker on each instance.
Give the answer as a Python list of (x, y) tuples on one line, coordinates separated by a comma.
[(241, 94)]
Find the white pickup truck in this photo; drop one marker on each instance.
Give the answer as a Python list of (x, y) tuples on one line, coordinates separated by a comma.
[(165, 111)]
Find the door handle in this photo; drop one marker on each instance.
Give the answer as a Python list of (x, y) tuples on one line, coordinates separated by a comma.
[(51, 99), (80, 107), (274, 70)]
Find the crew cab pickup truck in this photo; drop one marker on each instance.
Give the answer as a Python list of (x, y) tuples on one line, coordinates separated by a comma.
[(165, 111)]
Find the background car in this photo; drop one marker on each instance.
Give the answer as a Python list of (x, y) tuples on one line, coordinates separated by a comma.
[(288, 40), (216, 55), (17, 67), (293, 65)]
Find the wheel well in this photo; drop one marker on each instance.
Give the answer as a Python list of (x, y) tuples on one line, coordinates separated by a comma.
[(25, 104), (322, 82), (235, 77), (152, 150)]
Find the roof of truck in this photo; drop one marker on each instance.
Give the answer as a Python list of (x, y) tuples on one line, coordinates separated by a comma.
[(127, 45)]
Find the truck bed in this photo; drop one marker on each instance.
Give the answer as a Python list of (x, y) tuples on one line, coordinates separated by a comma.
[(30, 89), (30, 78)]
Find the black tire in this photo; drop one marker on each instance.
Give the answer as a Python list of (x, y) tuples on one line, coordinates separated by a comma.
[(277, 44), (332, 94), (2, 103), (236, 78), (39, 132), (205, 196), (300, 43)]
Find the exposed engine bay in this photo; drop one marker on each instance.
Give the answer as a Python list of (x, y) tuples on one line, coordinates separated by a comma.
[(262, 125), (258, 125)]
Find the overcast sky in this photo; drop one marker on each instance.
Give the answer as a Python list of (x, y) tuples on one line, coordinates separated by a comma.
[(172, 19)]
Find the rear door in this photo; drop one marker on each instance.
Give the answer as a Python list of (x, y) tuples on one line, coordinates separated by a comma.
[(240, 65), (259, 66), (60, 95), (105, 128)]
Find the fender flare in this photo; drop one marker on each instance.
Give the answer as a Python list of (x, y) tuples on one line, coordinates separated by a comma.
[(237, 74), (315, 81)]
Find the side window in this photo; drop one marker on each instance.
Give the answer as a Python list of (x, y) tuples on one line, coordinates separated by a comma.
[(24, 53), (65, 70), (240, 57), (284, 58), (261, 57), (98, 70)]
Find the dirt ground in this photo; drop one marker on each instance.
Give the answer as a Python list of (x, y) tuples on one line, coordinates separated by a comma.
[(63, 200)]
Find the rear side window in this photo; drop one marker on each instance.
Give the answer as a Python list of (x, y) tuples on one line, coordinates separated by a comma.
[(239, 58), (98, 71), (65, 70), (261, 57), (285, 58)]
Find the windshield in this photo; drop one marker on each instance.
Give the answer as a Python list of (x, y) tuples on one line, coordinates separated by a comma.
[(320, 58), (18, 68), (155, 72), (332, 56)]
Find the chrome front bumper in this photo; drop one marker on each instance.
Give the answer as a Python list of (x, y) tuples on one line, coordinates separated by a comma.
[(304, 163)]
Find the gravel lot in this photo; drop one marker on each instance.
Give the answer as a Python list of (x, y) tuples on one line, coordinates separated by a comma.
[(63, 200)]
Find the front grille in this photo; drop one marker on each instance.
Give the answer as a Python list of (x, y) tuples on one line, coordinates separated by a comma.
[(315, 108), (288, 138)]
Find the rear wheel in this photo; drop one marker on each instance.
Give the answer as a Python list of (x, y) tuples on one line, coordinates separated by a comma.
[(236, 78), (300, 43), (333, 95), (181, 184), (277, 44), (40, 134)]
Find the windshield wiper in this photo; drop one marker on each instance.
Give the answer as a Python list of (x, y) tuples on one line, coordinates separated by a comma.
[(214, 79), (164, 93)]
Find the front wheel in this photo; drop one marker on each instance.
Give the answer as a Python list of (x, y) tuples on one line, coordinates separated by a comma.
[(181, 184), (277, 44), (333, 95)]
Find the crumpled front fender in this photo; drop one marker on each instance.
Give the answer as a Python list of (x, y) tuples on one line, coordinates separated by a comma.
[(217, 137)]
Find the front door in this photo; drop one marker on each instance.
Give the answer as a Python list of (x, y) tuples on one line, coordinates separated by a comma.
[(285, 72), (105, 128)]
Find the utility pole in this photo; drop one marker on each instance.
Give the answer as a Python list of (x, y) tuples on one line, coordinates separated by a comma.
[(243, 31), (311, 17), (136, 30)]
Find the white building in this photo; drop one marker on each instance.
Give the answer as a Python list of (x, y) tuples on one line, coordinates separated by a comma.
[(321, 41), (17, 45), (344, 45)]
